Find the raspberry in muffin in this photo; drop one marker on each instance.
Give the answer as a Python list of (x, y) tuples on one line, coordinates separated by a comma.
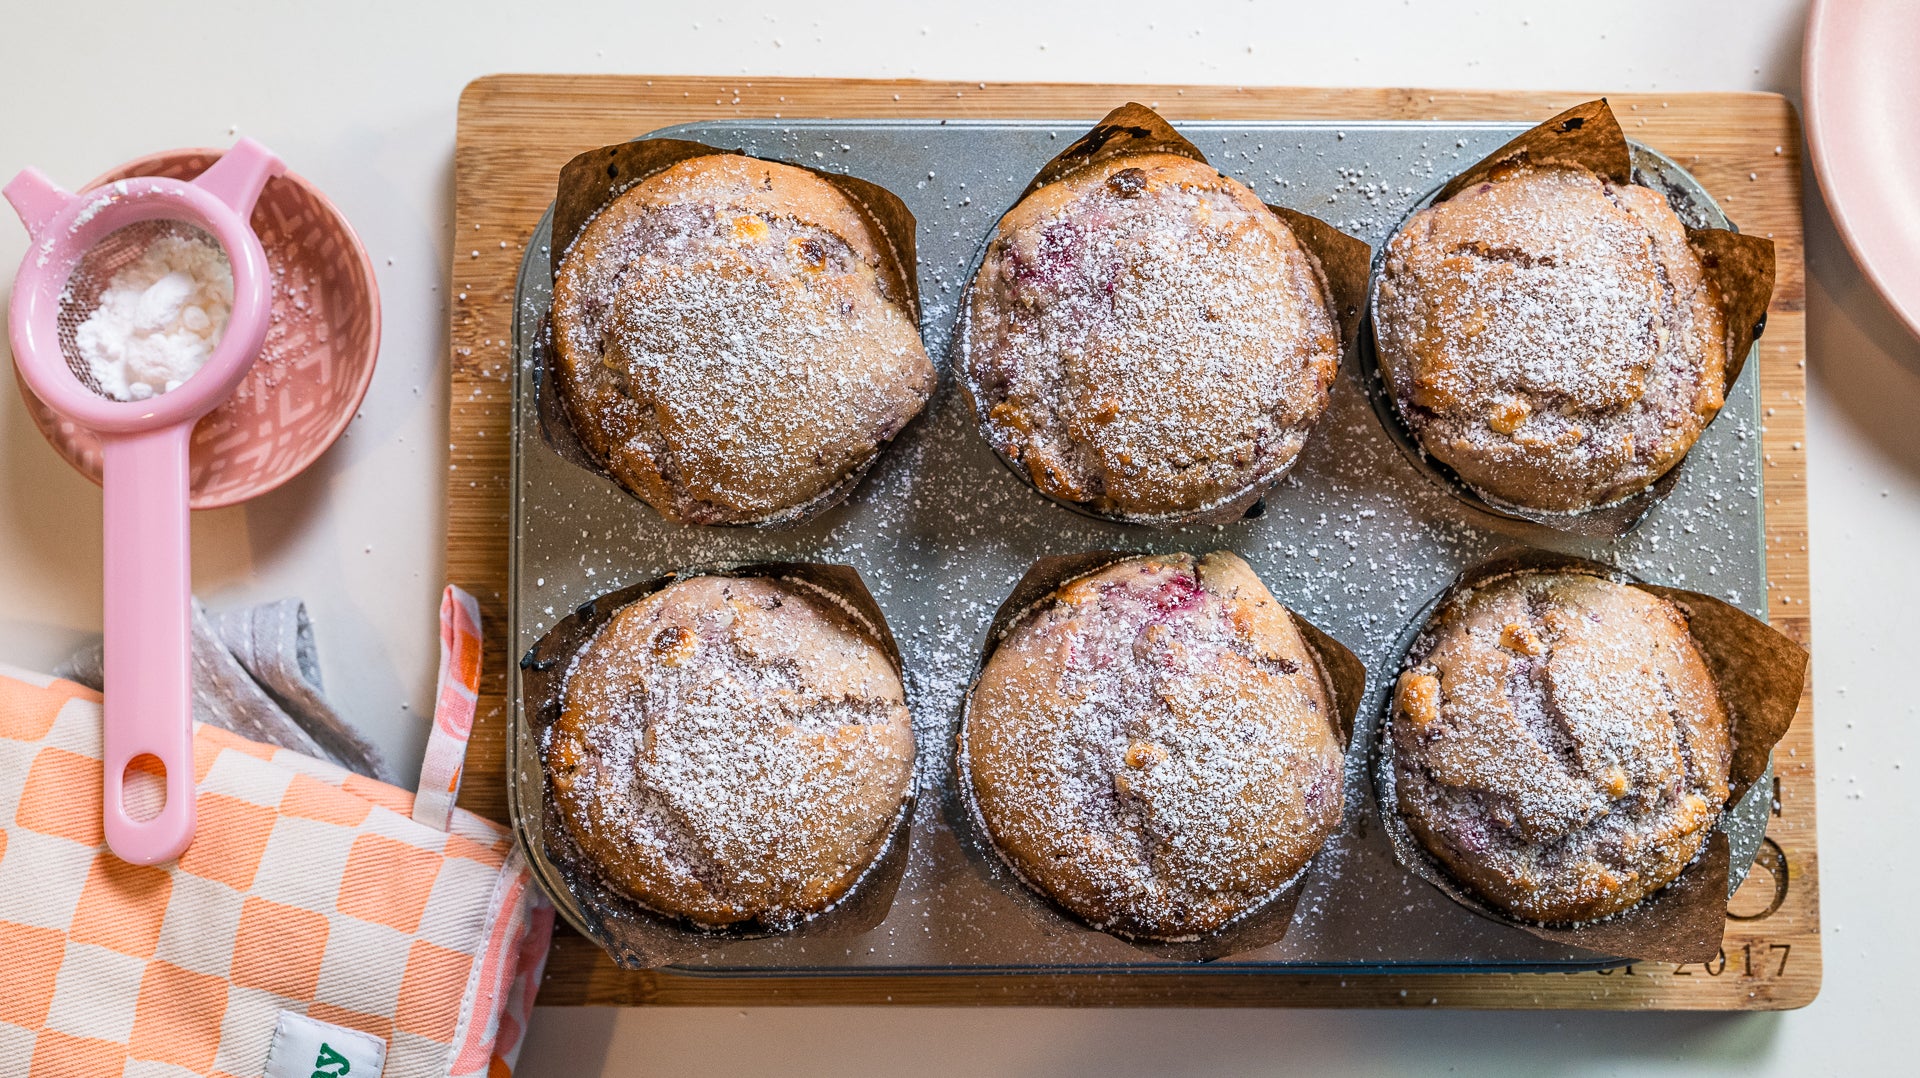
[(1154, 747), (1147, 341)]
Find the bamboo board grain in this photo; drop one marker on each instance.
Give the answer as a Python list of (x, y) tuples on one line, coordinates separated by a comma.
[(515, 131)]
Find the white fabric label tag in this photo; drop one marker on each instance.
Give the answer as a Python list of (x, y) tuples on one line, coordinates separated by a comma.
[(308, 1048)]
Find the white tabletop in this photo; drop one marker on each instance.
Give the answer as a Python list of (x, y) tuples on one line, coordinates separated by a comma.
[(360, 98)]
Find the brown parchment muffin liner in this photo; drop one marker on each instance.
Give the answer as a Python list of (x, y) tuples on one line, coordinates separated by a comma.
[(1742, 268), (592, 180), (635, 936), (1758, 672), (1345, 261), (1342, 672)]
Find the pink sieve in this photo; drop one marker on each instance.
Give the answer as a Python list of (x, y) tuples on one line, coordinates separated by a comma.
[(77, 242)]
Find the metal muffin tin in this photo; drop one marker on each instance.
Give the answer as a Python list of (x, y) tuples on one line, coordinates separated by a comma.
[(1356, 538)]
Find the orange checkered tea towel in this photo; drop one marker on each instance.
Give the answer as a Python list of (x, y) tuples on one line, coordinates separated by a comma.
[(314, 927)]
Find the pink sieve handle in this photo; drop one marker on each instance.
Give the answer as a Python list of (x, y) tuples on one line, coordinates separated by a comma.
[(237, 178), (36, 199), (149, 695)]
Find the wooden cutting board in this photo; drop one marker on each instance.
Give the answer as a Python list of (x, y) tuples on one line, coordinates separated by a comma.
[(517, 130)]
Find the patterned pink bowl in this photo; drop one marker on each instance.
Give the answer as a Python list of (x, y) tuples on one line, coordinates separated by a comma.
[(313, 371)]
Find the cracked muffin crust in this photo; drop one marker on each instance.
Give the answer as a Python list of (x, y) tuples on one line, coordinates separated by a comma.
[(732, 749), (1559, 745), (1551, 337), (1146, 339), (1154, 747), (735, 342)]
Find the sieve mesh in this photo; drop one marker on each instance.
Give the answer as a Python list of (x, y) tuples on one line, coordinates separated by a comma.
[(81, 296)]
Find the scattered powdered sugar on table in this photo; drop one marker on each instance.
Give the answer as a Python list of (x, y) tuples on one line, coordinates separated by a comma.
[(158, 318), (1355, 539)]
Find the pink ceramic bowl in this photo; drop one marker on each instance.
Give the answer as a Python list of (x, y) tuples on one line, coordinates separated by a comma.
[(322, 340)]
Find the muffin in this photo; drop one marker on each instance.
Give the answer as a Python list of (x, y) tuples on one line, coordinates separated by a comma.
[(1551, 337), (735, 341), (1147, 341), (732, 750), (1558, 745), (1154, 748)]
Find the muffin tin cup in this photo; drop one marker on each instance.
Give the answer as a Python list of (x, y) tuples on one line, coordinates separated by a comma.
[(1345, 262), (1741, 267), (634, 935), (1340, 671), (1759, 673), (591, 181)]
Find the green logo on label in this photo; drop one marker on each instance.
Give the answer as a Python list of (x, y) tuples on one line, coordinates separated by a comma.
[(329, 1063)]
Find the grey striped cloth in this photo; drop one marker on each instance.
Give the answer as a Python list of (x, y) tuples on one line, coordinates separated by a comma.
[(256, 671)]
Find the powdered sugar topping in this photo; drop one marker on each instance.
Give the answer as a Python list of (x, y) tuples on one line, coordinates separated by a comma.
[(1148, 340), (1550, 337), (730, 750), (1152, 750), (1558, 741)]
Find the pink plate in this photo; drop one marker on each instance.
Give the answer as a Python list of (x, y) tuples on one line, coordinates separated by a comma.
[(1861, 83), (322, 340)]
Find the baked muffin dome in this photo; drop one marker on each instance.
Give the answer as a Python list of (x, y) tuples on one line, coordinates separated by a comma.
[(1154, 748), (1551, 337), (732, 749), (1558, 744), (1146, 340), (735, 342)]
